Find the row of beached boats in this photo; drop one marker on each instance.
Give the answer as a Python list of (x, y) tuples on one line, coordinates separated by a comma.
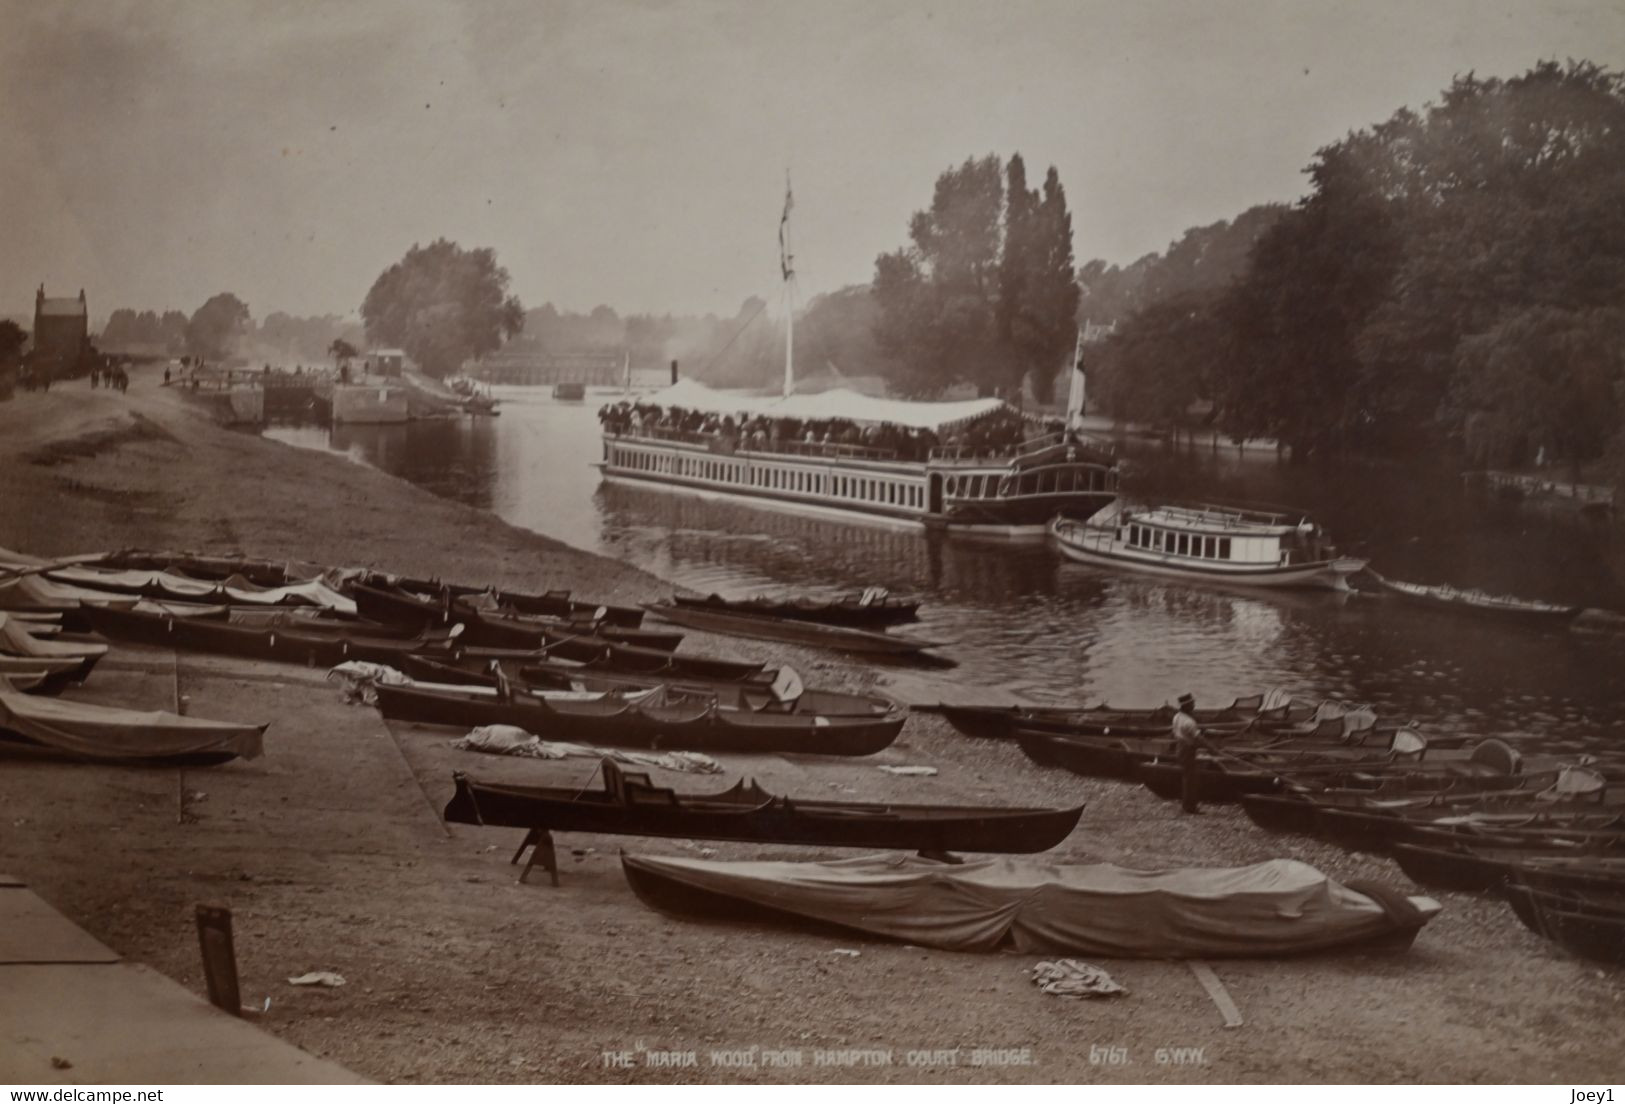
[(1545, 831), (465, 657)]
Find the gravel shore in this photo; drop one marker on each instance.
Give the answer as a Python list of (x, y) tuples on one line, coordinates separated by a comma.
[(330, 852)]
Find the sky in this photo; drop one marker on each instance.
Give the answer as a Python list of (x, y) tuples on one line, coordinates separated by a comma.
[(634, 153)]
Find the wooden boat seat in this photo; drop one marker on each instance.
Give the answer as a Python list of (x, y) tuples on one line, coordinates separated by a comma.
[(764, 702), (624, 788), (1497, 754), (1408, 744), (1574, 783), (679, 713), (606, 707)]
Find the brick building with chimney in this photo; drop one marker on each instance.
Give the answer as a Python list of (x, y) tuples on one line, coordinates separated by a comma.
[(61, 335)]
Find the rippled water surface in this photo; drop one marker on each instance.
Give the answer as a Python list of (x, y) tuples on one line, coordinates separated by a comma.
[(1025, 622)]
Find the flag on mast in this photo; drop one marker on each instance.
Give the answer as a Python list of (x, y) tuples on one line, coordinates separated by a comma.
[(1075, 396), (786, 260), (788, 268)]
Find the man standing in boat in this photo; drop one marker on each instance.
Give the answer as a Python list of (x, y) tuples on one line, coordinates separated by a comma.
[(1187, 735)]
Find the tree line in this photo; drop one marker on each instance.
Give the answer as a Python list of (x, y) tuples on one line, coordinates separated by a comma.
[(223, 329), (1455, 275)]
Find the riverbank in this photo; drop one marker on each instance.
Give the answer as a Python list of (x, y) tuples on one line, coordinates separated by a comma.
[(330, 852)]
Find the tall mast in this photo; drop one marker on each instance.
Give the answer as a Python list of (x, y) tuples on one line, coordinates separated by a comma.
[(787, 268)]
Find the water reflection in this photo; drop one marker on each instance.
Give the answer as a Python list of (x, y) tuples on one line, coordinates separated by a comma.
[(1027, 622)]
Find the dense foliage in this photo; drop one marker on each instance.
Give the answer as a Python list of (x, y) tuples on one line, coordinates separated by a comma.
[(985, 292), (1455, 273), (215, 328), (442, 304)]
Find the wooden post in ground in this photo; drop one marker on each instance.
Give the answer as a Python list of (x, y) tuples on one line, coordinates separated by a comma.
[(219, 958)]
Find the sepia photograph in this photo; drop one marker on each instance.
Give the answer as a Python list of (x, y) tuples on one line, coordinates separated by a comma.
[(811, 543)]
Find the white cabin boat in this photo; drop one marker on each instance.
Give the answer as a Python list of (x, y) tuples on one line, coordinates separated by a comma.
[(1011, 491), (1209, 543)]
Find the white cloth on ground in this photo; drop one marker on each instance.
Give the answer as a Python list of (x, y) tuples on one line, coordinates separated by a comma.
[(512, 740)]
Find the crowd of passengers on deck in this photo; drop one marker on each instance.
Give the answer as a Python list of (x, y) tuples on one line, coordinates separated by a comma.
[(998, 434)]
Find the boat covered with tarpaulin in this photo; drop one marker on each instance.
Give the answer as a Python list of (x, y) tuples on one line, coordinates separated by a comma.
[(1279, 907), (52, 728)]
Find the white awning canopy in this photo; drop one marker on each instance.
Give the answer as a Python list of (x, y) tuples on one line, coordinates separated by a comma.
[(827, 405)]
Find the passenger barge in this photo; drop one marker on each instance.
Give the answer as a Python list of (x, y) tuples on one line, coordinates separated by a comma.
[(1013, 490)]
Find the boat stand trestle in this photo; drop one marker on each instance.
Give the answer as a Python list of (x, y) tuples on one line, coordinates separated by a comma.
[(540, 842)]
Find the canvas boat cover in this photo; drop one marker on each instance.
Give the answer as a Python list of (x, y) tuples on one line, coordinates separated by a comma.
[(1272, 908), (236, 589), (99, 732), (16, 640), (827, 405), (31, 594)]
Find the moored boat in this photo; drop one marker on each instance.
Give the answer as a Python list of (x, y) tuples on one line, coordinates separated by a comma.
[(1479, 602), (873, 608), (629, 804), (1206, 543), (762, 627)]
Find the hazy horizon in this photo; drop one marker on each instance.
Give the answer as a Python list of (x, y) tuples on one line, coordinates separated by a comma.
[(634, 154)]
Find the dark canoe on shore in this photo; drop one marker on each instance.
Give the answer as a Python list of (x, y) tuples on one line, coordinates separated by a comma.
[(554, 603), (326, 646), (1411, 760), (1479, 602), (693, 724), (1468, 867), (292, 643), (492, 628), (1120, 757), (1593, 928), (754, 694), (1378, 830), (851, 612), (859, 641), (1035, 906), (630, 805), (1301, 813), (603, 655), (205, 565), (272, 573), (997, 722)]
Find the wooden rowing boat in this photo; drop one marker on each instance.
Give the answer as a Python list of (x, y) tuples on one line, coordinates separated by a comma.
[(327, 647), (671, 722), (1467, 866), (496, 627), (1479, 601), (630, 805), (868, 610), (1592, 927), (780, 689), (860, 641)]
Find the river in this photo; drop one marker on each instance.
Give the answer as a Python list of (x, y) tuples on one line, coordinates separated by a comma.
[(1022, 621)]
